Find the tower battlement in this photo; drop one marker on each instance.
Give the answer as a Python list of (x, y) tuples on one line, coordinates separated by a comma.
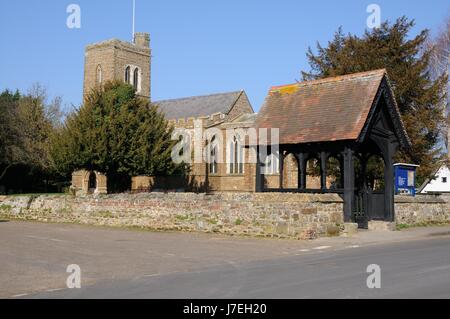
[(119, 60)]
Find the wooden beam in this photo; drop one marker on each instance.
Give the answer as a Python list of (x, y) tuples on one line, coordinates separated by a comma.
[(281, 161), (349, 183), (389, 184), (302, 170), (323, 170)]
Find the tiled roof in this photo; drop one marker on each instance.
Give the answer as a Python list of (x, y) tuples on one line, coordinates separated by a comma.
[(197, 106), (329, 109)]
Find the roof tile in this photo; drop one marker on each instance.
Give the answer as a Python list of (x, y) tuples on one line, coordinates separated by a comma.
[(197, 106), (329, 109)]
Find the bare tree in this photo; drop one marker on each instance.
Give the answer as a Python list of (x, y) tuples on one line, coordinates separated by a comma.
[(439, 60), (26, 128), (439, 65)]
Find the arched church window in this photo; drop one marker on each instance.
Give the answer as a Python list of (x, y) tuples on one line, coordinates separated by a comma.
[(136, 79), (127, 75), (99, 74), (236, 156), (272, 164), (212, 155)]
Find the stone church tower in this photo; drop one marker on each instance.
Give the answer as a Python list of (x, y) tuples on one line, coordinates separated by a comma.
[(119, 60)]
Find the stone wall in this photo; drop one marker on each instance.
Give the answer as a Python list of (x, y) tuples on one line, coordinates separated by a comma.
[(80, 183), (95, 56), (422, 209), (113, 56), (241, 106), (278, 215), (302, 216)]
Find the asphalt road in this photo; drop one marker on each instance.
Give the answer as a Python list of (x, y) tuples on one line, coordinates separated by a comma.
[(132, 264)]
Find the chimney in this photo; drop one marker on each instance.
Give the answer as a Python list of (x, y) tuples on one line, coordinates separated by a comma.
[(142, 39)]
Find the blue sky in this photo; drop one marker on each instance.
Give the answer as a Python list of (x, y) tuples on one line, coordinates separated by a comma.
[(199, 46)]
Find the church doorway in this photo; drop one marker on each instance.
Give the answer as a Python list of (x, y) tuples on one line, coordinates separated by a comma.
[(92, 183)]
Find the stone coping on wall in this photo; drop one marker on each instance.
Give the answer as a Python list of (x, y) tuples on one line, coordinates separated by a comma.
[(399, 199), (238, 196), (276, 197)]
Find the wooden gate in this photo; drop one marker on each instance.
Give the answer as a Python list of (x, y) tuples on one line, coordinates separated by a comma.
[(368, 205)]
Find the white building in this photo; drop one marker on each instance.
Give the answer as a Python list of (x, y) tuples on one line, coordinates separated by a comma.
[(441, 181), (439, 184)]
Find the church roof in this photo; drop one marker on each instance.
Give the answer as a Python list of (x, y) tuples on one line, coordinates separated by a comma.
[(246, 118), (329, 109), (198, 106)]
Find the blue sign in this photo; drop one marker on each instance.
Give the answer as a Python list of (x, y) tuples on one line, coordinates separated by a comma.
[(405, 179)]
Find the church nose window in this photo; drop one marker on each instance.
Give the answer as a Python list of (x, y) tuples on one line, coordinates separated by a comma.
[(127, 75), (99, 74), (136, 79), (212, 155), (236, 157)]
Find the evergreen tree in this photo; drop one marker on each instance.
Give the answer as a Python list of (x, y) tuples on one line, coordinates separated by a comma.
[(406, 60), (117, 133), (11, 139)]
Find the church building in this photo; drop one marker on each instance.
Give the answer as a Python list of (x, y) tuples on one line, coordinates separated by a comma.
[(131, 62), (341, 122)]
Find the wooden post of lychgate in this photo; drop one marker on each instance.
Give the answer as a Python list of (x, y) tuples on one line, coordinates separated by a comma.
[(349, 183)]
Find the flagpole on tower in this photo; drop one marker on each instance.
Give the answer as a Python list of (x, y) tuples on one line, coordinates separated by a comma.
[(134, 14)]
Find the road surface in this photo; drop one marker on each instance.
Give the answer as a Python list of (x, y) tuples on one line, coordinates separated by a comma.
[(118, 263)]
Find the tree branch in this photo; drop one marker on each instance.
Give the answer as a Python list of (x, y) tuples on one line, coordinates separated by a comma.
[(5, 170)]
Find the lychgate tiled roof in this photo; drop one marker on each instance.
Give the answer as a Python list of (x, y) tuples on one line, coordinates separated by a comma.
[(197, 106), (329, 109)]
